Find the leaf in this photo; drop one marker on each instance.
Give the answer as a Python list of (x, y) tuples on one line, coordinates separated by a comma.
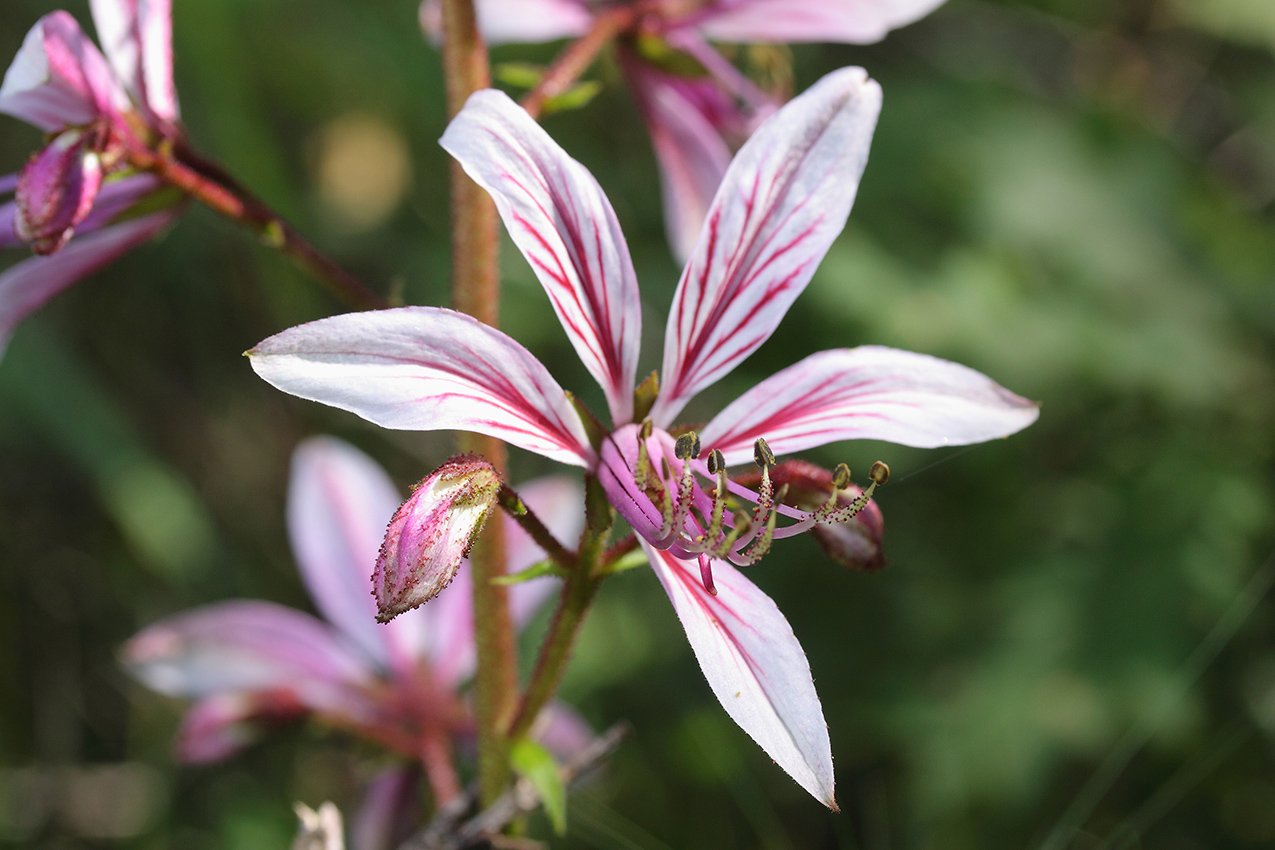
[(535, 764), (523, 75), (576, 97), (543, 568)]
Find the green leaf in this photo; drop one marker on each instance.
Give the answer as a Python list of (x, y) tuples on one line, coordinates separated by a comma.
[(535, 764), (668, 58), (523, 75), (627, 561), (575, 97), (543, 568)]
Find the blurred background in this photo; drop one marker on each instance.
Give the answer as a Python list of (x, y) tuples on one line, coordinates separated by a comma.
[(1073, 196)]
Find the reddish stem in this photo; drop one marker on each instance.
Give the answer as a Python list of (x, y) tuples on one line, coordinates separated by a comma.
[(576, 58)]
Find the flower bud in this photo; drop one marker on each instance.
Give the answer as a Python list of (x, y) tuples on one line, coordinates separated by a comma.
[(56, 190), (432, 533)]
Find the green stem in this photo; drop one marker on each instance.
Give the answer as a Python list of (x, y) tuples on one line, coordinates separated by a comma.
[(476, 291), (578, 56), (530, 523)]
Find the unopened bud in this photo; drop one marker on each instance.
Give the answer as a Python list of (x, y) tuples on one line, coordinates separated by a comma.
[(762, 455), (687, 447), (879, 473), (841, 477), (56, 190), (432, 533)]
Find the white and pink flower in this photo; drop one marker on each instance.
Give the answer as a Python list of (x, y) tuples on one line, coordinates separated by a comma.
[(784, 199)]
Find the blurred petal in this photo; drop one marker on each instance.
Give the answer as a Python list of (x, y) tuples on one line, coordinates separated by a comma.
[(447, 630), (691, 152), (558, 501), (389, 811), (59, 78), (25, 286), (431, 534), (562, 731), (249, 645), (868, 393), (788, 21), (783, 201), (8, 183), (339, 503), (756, 668), (137, 37), (557, 214), (8, 237), (517, 21), (221, 725), (56, 191), (427, 369)]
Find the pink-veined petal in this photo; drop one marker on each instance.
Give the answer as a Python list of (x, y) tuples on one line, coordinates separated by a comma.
[(868, 393), (339, 502), (137, 37), (558, 215), (427, 369), (59, 78), (754, 665), (27, 285), (785, 198), (791, 21), (389, 810), (516, 21), (690, 151), (242, 646)]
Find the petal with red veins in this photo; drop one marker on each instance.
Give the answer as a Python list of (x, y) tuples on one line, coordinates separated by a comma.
[(253, 647), (27, 285), (754, 665), (690, 150), (793, 21), (517, 21), (558, 215), (59, 78), (427, 369), (784, 199), (218, 726), (137, 37), (868, 393), (56, 191), (339, 503)]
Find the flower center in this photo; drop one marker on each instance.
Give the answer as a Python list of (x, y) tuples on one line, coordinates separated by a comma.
[(692, 509)]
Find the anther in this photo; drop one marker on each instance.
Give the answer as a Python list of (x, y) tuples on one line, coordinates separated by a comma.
[(880, 473), (716, 461), (762, 455), (645, 432), (841, 477), (687, 447)]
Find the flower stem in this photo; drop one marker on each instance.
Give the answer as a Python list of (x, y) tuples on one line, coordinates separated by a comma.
[(476, 291), (530, 523), (233, 201), (576, 58)]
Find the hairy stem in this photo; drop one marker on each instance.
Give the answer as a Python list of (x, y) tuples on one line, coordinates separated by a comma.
[(530, 523), (476, 291), (214, 189), (576, 58)]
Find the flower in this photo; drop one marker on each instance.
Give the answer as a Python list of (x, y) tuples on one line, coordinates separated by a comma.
[(249, 664), (698, 107), (784, 199), (90, 105)]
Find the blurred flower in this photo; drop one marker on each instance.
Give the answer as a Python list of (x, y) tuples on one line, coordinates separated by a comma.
[(785, 198), (363, 170), (321, 830), (253, 664), (90, 105), (698, 107), (431, 534)]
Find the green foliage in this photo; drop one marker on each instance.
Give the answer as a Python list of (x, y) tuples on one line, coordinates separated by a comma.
[(536, 765)]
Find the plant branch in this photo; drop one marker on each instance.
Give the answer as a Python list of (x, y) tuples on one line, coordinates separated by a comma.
[(476, 291), (576, 58), (449, 831), (530, 523), (215, 189)]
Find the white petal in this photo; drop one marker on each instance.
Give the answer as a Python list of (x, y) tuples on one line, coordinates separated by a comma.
[(557, 214), (868, 393), (427, 369), (517, 21), (783, 201), (755, 666), (137, 37), (789, 21)]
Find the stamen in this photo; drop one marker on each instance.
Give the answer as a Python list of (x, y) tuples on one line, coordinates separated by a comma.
[(762, 455), (762, 546), (687, 446), (643, 472), (717, 466), (841, 477), (879, 473)]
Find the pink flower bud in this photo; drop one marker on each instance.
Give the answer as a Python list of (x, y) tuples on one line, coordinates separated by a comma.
[(432, 533), (56, 190)]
